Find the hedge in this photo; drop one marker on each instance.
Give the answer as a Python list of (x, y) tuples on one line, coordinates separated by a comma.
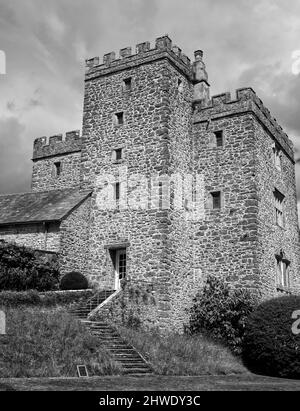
[(271, 343), (22, 269), (47, 299), (73, 281)]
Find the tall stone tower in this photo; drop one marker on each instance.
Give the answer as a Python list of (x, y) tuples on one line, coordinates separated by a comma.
[(138, 120)]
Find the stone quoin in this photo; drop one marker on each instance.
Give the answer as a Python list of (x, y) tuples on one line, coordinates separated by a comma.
[(164, 186)]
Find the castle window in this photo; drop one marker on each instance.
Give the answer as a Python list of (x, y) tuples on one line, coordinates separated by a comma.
[(117, 191), (216, 200), (277, 156), (279, 202), (219, 138), (282, 275), (180, 85), (127, 84), (57, 168), (117, 154), (119, 118), (160, 195)]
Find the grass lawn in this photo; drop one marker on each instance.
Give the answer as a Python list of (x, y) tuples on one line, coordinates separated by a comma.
[(50, 343), (242, 382), (182, 354)]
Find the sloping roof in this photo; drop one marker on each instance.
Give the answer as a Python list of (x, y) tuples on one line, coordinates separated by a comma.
[(36, 207)]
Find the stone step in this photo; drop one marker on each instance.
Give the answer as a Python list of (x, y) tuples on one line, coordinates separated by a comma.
[(122, 352), (106, 334), (130, 362)]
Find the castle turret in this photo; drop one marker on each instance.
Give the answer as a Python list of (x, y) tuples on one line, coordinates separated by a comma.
[(201, 87)]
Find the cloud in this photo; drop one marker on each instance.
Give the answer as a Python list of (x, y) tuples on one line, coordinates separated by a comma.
[(296, 62), (245, 44), (15, 167)]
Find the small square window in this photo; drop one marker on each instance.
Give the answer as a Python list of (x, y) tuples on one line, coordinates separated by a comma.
[(219, 138), (216, 200), (57, 168), (119, 118), (118, 154), (127, 84)]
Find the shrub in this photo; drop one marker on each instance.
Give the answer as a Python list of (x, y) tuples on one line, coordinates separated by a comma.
[(221, 313), (74, 281), (134, 306), (46, 299), (270, 347), (24, 269)]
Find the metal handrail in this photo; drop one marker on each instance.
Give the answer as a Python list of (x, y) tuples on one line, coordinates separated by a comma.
[(96, 296)]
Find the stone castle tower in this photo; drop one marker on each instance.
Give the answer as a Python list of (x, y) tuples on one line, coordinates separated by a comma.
[(166, 185)]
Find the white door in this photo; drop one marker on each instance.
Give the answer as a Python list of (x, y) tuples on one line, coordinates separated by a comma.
[(120, 272)]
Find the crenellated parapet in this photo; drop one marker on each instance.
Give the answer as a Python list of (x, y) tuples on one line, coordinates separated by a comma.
[(246, 100), (143, 54), (57, 145)]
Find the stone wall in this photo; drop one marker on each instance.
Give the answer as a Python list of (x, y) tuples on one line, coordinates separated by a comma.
[(75, 240), (35, 236), (67, 152), (272, 239), (225, 239)]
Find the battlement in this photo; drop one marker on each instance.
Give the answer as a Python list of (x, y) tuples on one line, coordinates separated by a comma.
[(144, 54), (57, 145), (246, 100)]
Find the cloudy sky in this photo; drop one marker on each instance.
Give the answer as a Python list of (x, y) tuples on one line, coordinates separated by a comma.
[(246, 43)]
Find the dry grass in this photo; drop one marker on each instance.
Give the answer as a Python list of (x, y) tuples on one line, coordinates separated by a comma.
[(183, 355)]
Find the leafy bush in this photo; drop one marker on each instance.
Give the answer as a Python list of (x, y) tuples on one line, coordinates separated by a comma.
[(133, 307), (270, 346), (50, 344), (24, 269), (46, 299), (221, 313), (74, 281)]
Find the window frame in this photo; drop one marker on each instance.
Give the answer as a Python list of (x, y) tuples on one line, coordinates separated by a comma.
[(127, 81), (216, 195), (277, 153), (279, 200), (117, 117), (219, 134), (282, 272), (57, 169)]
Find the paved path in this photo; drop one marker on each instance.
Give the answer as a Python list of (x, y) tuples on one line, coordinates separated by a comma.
[(247, 382)]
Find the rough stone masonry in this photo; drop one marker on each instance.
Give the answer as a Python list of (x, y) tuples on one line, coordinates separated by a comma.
[(128, 205)]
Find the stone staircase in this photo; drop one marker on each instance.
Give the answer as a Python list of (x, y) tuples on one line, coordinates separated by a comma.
[(130, 359), (82, 310)]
